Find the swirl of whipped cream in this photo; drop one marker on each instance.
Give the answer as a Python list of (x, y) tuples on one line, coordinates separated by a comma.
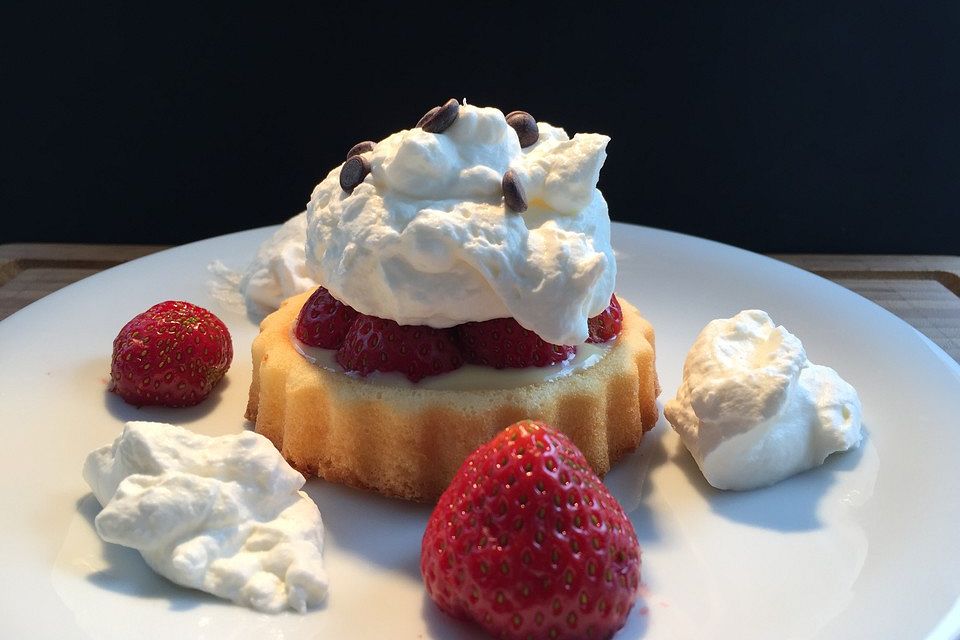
[(426, 237), (279, 269), (753, 410)]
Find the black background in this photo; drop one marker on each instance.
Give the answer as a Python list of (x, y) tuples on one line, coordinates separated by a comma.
[(773, 126)]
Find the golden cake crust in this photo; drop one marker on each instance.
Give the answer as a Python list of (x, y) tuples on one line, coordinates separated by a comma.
[(409, 443)]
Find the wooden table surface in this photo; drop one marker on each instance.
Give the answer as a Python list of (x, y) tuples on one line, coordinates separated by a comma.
[(923, 290)]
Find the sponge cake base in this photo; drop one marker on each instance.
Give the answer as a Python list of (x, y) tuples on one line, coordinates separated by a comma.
[(408, 442)]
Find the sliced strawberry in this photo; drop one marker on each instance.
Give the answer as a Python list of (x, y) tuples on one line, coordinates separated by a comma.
[(527, 542), (172, 354), (607, 325), (323, 321), (375, 344), (502, 343)]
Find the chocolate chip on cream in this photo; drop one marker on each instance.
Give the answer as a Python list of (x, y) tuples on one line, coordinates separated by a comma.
[(514, 195), (361, 147), (429, 114), (526, 127), (353, 171), (440, 120)]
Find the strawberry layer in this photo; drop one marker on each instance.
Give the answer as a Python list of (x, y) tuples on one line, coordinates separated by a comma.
[(366, 344)]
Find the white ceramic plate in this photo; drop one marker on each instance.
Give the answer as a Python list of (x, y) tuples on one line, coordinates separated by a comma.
[(863, 547)]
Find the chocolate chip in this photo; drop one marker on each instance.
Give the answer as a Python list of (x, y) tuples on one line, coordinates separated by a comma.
[(361, 147), (526, 127), (439, 119), (426, 116), (513, 193), (353, 171)]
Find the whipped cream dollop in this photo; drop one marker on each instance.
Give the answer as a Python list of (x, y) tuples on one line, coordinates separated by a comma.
[(427, 239), (279, 269), (221, 514), (753, 410)]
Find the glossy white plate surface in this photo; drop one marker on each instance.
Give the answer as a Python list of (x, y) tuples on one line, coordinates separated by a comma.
[(863, 547)]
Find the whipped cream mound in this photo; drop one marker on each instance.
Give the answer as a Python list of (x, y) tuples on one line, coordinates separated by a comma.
[(427, 239), (221, 514), (753, 410), (279, 270)]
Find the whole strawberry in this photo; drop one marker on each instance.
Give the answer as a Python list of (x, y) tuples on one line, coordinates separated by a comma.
[(527, 542), (172, 354)]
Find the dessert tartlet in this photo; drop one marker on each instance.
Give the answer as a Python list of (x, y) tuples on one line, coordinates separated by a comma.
[(466, 282)]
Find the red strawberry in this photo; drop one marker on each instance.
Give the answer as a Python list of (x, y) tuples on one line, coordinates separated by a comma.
[(527, 542), (375, 344), (172, 354), (607, 325), (502, 343), (324, 320)]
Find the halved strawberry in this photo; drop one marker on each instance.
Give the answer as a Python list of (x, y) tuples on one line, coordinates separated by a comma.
[(502, 343), (607, 325), (527, 542), (376, 344), (323, 321)]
